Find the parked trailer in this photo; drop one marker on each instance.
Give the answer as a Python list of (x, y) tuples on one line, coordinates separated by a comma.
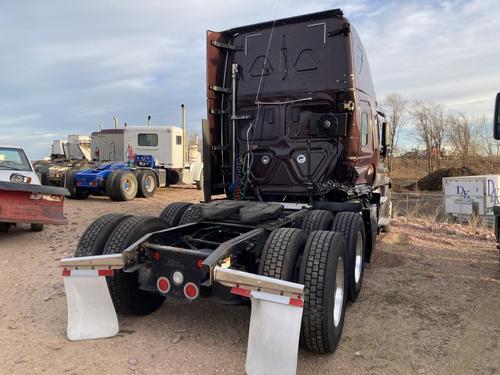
[(292, 141), (469, 196)]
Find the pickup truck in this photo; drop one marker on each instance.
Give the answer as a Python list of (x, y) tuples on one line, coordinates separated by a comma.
[(22, 198)]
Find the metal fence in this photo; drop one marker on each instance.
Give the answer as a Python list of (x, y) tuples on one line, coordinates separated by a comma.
[(432, 206)]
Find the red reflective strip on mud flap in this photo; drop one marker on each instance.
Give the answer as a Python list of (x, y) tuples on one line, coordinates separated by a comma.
[(296, 302), (86, 272), (105, 272), (241, 292), (247, 293)]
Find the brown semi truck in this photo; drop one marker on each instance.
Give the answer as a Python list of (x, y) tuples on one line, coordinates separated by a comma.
[(295, 187)]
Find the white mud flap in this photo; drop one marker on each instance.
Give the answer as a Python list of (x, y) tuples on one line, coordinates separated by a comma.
[(91, 314), (277, 306)]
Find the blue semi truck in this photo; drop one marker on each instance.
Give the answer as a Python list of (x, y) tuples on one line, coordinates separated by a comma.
[(117, 180), (122, 181), (153, 157)]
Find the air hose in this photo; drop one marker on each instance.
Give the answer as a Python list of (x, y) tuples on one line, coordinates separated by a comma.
[(235, 186)]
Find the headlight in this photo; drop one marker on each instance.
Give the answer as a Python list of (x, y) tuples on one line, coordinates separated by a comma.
[(19, 178)]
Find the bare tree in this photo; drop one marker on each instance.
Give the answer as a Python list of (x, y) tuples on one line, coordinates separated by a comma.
[(420, 113), (490, 147), (431, 127), (438, 130), (463, 135), (395, 108)]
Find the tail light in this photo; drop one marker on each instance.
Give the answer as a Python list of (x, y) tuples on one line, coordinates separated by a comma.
[(191, 291), (163, 285)]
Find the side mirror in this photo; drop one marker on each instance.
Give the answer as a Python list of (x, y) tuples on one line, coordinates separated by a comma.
[(496, 118), (386, 138)]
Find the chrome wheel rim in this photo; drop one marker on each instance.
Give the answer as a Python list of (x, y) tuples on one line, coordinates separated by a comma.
[(129, 187), (339, 292), (149, 184), (358, 265)]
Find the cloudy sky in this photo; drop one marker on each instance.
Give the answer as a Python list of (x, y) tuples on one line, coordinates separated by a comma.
[(67, 66)]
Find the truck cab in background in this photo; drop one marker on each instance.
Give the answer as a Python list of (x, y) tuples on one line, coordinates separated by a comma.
[(168, 148), (76, 147)]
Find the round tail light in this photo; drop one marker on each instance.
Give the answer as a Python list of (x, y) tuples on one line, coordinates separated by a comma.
[(191, 291), (163, 285)]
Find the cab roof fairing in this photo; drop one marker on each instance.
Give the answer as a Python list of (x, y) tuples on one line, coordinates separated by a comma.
[(360, 66)]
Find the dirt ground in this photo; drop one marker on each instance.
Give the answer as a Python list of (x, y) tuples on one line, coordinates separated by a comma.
[(430, 304)]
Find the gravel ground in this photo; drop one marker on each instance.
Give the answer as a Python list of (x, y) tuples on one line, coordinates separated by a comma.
[(429, 305)]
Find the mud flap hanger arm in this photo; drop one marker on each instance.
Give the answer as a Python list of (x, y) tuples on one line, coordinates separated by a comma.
[(244, 280)]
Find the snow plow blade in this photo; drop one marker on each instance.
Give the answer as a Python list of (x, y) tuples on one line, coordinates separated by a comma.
[(277, 306), (27, 203), (91, 314)]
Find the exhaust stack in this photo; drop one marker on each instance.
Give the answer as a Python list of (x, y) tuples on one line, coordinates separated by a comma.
[(183, 109), (116, 122), (149, 120)]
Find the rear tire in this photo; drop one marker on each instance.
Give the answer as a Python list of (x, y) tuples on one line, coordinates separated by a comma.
[(124, 186), (317, 220), (172, 214), (110, 182), (37, 227), (74, 192), (323, 273), (281, 251), (146, 182), (351, 226), (191, 215), (127, 298), (97, 233)]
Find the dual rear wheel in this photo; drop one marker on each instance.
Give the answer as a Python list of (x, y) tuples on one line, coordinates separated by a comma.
[(327, 256), (319, 262), (126, 185), (111, 234), (329, 263)]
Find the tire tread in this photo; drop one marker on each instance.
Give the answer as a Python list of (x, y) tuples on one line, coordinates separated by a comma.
[(95, 236), (317, 220), (172, 214), (127, 298)]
